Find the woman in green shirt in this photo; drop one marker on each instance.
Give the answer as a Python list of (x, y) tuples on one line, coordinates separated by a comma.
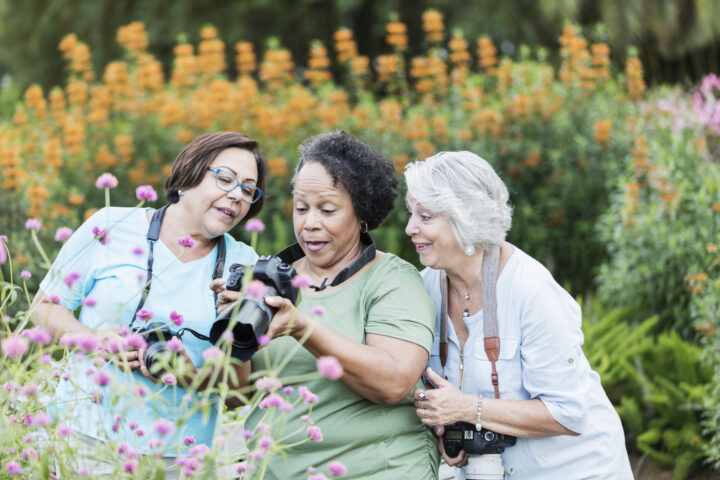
[(378, 321)]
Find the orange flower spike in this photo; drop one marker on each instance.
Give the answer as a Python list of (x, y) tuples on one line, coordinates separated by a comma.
[(67, 44), (397, 35), (433, 25)]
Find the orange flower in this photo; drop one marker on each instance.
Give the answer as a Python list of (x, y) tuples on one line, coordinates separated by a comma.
[(601, 131), (76, 199), (712, 248), (532, 160)]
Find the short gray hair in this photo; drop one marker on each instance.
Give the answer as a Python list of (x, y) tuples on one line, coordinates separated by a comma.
[(465, 189)]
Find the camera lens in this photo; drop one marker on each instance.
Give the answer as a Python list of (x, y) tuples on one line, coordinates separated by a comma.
[(153, 352), (253, 318), (489, 436)]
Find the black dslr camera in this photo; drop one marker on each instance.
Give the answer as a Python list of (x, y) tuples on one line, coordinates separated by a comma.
[(156, 336), (254, 315), (463, 436)]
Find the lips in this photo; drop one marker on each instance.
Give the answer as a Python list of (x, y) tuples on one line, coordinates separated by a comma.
[(421, 246), (228, 213), (314, 246)]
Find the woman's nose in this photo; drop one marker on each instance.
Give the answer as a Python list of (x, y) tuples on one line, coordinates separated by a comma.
[(410, 228)]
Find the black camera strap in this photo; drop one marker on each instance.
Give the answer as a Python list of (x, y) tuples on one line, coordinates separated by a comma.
[(293, 253), (490, 268), (153, 234)]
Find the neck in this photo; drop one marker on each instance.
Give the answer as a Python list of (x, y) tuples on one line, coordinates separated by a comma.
[(318, 273), (466, 274), (175, 226)]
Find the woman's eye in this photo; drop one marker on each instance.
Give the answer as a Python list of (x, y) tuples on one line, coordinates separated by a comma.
[(328, 212), (225, 180), (300, 209)]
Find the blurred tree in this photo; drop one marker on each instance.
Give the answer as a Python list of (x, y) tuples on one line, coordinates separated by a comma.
[(678, 39)]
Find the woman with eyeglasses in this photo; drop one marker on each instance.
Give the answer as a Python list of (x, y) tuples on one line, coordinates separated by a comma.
[(125, 268)]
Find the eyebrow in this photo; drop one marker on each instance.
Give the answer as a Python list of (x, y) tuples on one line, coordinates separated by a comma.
[(235, 174)]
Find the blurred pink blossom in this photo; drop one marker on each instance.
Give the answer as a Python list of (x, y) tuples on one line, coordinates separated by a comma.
[(212, 353), (163, 426), (106, 180), (14, 346), (63, 233), (146, 192), (300, 280), (101, 378), (256, 289), (38, 334), (101, 236), (33, 224), (329, 367), (175, 344), (176, 318), (337, 468), (26, 274), (254, 225), (186, 241), (315, 433)]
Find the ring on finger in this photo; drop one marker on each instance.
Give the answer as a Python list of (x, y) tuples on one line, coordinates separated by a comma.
[(422, 404), (423, 413)]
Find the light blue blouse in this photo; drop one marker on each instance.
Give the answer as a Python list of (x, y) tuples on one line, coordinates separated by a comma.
[(540, 357), (113, 276)]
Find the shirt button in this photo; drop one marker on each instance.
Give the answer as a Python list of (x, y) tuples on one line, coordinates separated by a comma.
[(571, 360)]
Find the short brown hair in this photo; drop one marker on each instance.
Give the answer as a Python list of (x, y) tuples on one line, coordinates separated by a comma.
[(190, 166)]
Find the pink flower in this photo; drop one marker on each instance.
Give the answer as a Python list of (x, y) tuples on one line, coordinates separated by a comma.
[(3, 252), (133, 424), (62, 233), (14, 346), (88, 342), (329, 367), (307, 395), (130, 466), (70, 278), (318, 310), (264, 340), (140, 432), (175, 344), (256, 289), (89, 302), (13, 468), (254, 225), (163, 427), (212, 353), (41, 419), (199, 450), (101, 378), (46, 358), (137, 341), (315, 433), (96, 397), (269, 384), (101, 235), (146, 192), (189, 440), (288, 390), (106, 180), (38, 334), (33, 224), (26, 274), (337, 468), (186, 241), (138, 251), (176, 318), (144, 315), (300, 280), (63, 430), (169, 379), (30, 389), (318, 476), (55, 299), (272, 400)]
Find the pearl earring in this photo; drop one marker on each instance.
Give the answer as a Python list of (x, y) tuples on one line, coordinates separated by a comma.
[(469, 250), (180, 193)]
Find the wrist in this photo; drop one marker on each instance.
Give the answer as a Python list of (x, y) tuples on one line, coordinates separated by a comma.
[(478, 419)]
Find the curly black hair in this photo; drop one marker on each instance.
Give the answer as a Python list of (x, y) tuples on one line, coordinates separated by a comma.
[(367, 175)]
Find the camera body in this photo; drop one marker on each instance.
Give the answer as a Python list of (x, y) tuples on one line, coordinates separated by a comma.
[(156, 336), (463, 436), (253, 315)]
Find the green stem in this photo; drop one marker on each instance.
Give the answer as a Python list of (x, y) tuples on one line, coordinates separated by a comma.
[(47, 264), (107, 196)]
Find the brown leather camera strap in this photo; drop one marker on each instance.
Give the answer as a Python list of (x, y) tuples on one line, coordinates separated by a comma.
[(490, 267)]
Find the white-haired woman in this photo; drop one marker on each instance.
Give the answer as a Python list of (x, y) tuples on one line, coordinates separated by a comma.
[(536, 384)]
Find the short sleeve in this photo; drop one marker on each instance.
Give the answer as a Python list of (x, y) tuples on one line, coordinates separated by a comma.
[(555, 369), (70, 277), (399, 307)]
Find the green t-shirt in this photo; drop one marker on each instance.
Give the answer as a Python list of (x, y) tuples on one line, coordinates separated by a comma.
[(373, 441)]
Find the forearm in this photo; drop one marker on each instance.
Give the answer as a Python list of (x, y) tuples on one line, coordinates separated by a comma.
[(521, 418), (371, 371), (56, 318)]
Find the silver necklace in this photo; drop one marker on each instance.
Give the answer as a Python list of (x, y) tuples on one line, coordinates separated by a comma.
[(466, 296)]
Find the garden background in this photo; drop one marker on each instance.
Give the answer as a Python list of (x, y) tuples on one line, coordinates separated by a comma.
[(615, 185)]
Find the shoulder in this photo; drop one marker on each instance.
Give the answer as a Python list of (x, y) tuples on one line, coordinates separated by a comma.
[(525, 274), (240, 251), (392, 266)]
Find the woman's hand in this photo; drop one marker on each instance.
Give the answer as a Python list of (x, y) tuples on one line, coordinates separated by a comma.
[(287, 320), (124, 359), (445, 404), (225, 297), (187, 370), (462, 458)]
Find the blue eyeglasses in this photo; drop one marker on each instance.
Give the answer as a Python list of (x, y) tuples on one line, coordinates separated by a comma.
[(226, 181)]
